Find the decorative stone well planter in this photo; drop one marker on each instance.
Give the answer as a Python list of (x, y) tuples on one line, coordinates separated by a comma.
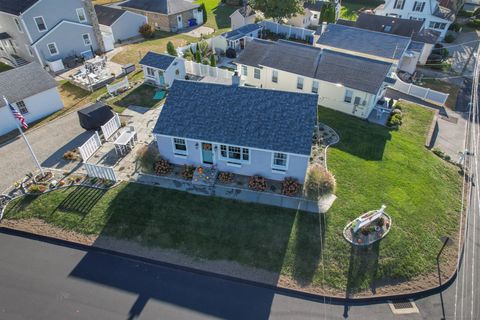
[(369, 228)]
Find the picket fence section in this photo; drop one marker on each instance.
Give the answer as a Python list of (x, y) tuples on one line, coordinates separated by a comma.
[(289, 31), (90, 146), (203, 70), (112, 125), (100, 172)]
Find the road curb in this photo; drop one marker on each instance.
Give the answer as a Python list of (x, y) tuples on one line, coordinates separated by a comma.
[(277, 289)]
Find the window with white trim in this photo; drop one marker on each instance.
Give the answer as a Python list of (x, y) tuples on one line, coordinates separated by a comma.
[(30, 51), (17, 23), (52, 48), (245, 71), (40, 22), (279, 161), (150, 72), (399, 4), (256, 73), (179, 146), (235, 154), (348, 96), (274, 76), (22, 107), (300, 83), (86, 39), (315, 86), (437, 25), (81, 15), (418, 6)]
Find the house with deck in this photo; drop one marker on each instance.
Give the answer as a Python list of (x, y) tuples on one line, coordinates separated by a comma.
[(47, 31), (167, 15), (246, 131), (162, 69), (345, 82), (32, 91)]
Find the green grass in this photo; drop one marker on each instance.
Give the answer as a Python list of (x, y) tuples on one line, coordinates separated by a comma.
[(4, 67), (372, 165), (350, 9), (140, 96), (218, 15)]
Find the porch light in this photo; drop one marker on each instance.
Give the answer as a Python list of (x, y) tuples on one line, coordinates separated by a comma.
[(215, 148)]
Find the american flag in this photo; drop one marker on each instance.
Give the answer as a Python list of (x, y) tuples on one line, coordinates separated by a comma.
[(18, 116)]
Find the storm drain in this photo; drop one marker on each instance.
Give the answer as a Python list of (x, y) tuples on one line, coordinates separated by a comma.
[(403, 307)]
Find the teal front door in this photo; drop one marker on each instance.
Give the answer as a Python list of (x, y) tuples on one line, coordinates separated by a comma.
[(207, 153), (161, 80)]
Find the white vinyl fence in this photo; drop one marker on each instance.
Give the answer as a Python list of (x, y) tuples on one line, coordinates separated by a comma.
[(429, 95), (204, 70), (90, 146), (289, 31), (114, 88), (112, 125), (100, 172)]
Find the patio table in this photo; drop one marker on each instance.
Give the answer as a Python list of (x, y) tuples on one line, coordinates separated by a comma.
[(125, 142)]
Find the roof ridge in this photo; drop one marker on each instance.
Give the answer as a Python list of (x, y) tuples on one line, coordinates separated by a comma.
[(367, 30)]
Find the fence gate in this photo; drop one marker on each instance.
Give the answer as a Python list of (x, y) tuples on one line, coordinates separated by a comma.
[(112, 125), (100, 172), (90, 147)]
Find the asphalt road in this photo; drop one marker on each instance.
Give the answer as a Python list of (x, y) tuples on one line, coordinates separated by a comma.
[(40, 280)]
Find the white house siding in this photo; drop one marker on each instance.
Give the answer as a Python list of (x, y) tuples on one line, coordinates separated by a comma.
[(260, 160), (330, 95), (427, 50), (237, 20), (39, 106), (301, 21), (408, 63), (127, 26)]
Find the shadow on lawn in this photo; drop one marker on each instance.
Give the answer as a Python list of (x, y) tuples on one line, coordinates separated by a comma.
[(82, 200), (208, 228)]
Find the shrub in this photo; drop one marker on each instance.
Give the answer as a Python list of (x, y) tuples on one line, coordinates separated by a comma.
[(187, 172), (449, 38), (162, 167), (171, 49), (455, 27), (198, 56), (37, 188), (257, 183), (397, 111), (189, 55), (380, 222), (475, 23), (70, 155), (395, 120), (147, 31), (290, 187), (225, 177), (319, 182), (213, 62)]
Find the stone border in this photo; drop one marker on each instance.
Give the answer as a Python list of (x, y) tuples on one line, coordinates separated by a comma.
[(331, 144)]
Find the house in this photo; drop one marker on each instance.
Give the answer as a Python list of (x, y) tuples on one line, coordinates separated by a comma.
[(236, 39), (162, 69), (436, 15), (246, 131), (167, 15), (311, 14), (344, 82), (119, 24), (47, 31), (243, 16), (414, 29), (33, 92)]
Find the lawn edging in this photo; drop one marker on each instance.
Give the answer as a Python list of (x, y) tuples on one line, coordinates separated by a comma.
[(282, 290)]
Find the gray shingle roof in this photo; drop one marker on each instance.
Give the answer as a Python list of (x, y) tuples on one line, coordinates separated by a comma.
[(108, 15), (4, 35), (247, 117), (246, 11), (161, 6), (242, 31), (351, 71), (314, 6), (399, 27), (23, 82), (365, 41), (157, 60), (16, 7)]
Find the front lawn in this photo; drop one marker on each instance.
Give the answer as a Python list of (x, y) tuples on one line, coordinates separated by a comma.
[(351, 8), (218, 15), (372, 165)]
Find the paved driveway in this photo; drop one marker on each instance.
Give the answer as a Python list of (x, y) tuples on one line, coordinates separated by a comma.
[(49, 142)]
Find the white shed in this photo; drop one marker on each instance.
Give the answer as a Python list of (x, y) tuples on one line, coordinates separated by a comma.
[(162, 69)]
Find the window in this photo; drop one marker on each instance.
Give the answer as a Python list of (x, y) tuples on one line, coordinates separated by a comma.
[(357, 101), (22, 107), (256, 73), (399, 4), (179, 147), (415, 18), (86, 39), (315, 85), (81, 15), (418, 6), (150, 72), (315, 16), (279, 161), (244, 71), (41, 26), (17, 23), (29, 50), (236, 154), (437, 25), (300, 83), (52, 48), (348, 96), (275, 76), (387, 29)]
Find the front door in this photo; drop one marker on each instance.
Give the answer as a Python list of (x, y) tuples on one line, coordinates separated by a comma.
[(161, 78), (179, 22), (207, 153)]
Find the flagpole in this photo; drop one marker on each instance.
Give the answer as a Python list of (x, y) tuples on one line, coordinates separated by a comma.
[(24, 138)]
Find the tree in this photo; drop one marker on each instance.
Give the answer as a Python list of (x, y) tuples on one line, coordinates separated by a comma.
[(147, 31), (328, 13), (171, 49), (198, 56), (278, 9), (213, 62)]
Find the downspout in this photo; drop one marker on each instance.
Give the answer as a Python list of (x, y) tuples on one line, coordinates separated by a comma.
[(96, 26)]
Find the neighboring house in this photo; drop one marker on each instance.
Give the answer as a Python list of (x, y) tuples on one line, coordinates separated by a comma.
[(436, 15), (47, 31), (422, 38), (241, 17), (119, 24), (246, 131), (33, 92), (167, 15), (343, 82), (311, 14), (162, 69), (382, 46), (236, 39)]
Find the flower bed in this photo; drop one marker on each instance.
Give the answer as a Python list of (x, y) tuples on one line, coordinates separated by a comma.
[(257, 183)]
